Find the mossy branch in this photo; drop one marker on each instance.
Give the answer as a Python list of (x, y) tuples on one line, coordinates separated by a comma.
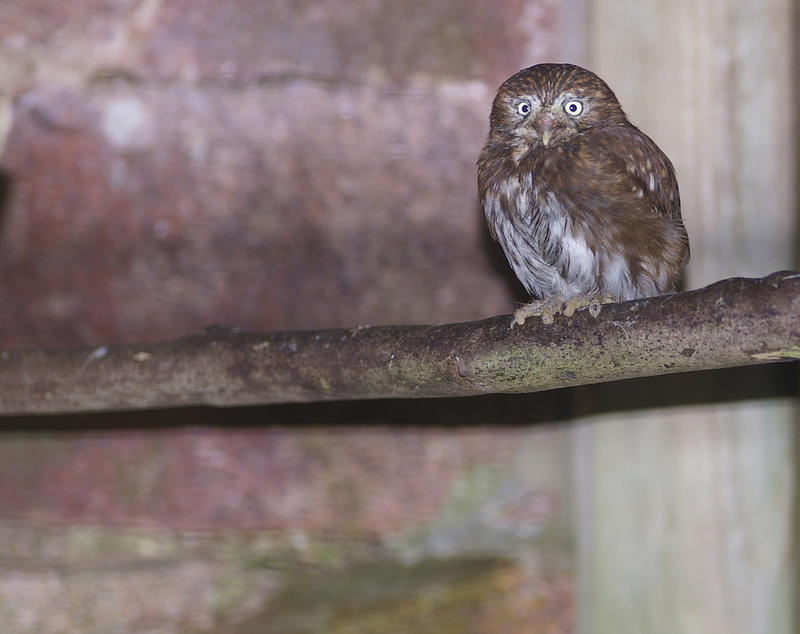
[(730, 323)]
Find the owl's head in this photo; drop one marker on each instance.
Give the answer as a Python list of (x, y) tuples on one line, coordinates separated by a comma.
[(548, 104)]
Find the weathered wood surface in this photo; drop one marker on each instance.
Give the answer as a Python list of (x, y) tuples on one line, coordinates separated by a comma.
[(687, 514), (730, 323)]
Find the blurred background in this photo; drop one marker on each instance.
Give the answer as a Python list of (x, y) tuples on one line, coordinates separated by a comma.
[(170, 164)]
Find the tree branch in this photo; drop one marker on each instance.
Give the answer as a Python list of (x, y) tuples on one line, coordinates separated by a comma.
[(730, 323)]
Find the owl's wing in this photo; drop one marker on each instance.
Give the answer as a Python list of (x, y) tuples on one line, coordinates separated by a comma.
[(644, 172), (649, 169)]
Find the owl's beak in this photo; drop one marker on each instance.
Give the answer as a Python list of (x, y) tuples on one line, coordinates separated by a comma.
[(546, 126)]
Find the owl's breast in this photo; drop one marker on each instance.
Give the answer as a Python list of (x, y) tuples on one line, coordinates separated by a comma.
[(532, 220), (563, 243)]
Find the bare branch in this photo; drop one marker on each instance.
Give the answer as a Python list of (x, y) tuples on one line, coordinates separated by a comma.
[(730, 323)]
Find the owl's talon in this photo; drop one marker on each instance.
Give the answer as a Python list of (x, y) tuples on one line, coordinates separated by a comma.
[(545, 308), (549, 307), (596, 302)]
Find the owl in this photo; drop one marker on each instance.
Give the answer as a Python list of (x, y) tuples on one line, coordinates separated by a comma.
[(584, 204)]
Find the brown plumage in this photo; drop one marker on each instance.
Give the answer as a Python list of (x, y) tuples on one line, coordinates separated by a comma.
[(584, 204)]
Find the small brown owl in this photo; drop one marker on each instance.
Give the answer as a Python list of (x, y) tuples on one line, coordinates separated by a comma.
[(585, 205)]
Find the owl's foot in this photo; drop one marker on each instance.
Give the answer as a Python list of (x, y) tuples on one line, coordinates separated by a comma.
[(595, 302), (549, 307), (546, 308)]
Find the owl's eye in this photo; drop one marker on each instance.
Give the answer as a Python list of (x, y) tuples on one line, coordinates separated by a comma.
[(573, 107), (524, 108)]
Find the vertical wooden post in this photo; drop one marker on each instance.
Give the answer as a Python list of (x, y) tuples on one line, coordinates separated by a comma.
[(685, 514)]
